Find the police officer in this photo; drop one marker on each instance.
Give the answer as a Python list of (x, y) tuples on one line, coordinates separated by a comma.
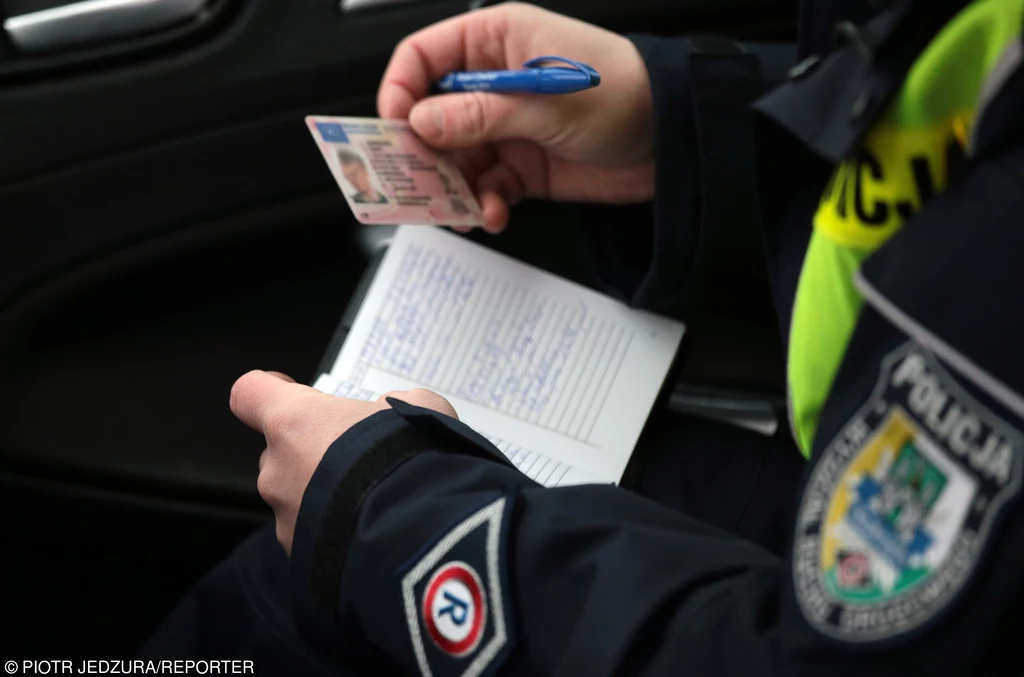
[(889, 179)]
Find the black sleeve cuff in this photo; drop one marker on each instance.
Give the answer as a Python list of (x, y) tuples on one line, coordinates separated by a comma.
[(705, 209), (629, 262), (351, 468), (313, 607)]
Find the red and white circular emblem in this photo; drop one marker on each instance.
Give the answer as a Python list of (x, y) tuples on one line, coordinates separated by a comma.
[(454, 609), (854, 571)]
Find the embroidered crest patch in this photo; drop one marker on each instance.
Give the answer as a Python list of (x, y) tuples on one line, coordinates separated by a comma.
[(454, 597), (899, 507)]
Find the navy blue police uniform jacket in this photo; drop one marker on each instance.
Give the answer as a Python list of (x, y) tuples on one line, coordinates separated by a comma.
[(420, 549)]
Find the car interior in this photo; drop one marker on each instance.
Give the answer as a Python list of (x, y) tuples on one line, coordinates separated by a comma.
[(166, 224)]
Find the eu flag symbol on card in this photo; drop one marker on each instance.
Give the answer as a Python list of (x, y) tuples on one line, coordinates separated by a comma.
[(332, 132)]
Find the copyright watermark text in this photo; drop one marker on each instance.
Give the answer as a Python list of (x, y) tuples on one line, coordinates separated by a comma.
[(129, 667)]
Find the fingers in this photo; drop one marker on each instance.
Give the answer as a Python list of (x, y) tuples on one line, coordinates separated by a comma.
[(465, 120), (473, 161), (504, 182), (254, 393), (470, 41), (282, 376), (421, 397), (499, 189), (496, 211), (475, 40), (418, 62), (428, 399)]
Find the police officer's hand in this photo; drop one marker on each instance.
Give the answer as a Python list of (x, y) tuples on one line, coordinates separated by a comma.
[(300, 423), (593, 145)]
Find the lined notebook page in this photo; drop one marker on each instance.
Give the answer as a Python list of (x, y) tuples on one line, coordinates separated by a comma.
[(559, 374), (536, 466)]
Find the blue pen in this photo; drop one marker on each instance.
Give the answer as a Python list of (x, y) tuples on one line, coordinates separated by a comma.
[(533, 79)]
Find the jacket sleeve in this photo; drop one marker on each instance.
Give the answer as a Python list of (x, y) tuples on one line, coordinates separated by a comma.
[(588, 580), (699, 86), (412, 522), (420, 549)]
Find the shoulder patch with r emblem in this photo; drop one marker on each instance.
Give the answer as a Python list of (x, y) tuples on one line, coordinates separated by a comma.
[(459, 619), (900, 506)]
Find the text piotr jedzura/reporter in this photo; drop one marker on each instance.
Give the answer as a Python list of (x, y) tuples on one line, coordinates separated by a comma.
[(130, 667)]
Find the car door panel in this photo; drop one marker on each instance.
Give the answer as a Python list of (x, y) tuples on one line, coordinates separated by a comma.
[(166, 224), (132, 154)]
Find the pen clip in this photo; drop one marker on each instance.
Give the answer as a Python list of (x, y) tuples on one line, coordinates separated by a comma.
[(537, 63)]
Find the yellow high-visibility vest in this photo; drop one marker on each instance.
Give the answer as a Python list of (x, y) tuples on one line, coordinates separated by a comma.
[(904, 160)]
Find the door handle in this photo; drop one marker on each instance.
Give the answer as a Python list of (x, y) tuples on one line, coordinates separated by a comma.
[(359, 5), (92, 21)]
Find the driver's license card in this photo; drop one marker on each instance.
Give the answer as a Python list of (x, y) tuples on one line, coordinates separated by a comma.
[(389, 176)]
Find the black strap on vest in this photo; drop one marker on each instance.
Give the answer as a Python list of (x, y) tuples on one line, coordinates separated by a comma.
[(729, 275)]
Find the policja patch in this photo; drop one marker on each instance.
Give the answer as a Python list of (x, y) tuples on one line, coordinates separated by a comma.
[(899, 507), (454, 596)]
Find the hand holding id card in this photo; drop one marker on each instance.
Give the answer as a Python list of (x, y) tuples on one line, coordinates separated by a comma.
[(390, 177)]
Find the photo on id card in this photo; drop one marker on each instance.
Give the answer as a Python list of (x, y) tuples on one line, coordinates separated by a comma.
[(390, 177)]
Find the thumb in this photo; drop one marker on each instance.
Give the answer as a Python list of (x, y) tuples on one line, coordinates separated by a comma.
[(255, 393), (452, 121)]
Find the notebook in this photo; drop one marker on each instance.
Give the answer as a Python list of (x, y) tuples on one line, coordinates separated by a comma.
[(559, 377)]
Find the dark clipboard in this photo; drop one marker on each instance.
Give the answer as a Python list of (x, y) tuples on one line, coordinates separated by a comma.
[(348, 317)]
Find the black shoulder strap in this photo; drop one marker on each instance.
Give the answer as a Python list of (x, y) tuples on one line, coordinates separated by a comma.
[(729, 275), (1000, 115)]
